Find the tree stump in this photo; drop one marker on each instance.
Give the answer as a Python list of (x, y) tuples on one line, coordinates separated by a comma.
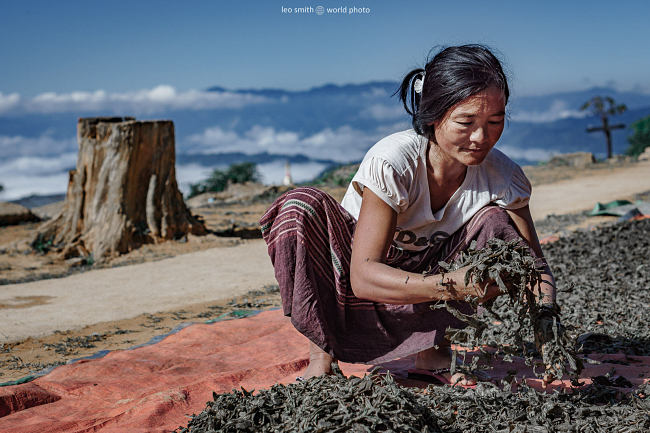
[(123, 193)]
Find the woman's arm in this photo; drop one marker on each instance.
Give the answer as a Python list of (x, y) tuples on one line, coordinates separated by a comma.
[(546, 289), (371, 278), (526, 228)]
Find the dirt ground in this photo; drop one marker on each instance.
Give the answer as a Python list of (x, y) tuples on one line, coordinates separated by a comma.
[(33, 354), (558, 190)]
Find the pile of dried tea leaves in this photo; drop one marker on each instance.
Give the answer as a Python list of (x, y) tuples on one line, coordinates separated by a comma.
[(377, 404), (603, 280), (489, 408), (506, 326), (602, 277), (322, 404)]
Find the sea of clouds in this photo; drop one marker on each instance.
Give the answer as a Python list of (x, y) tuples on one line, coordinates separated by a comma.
[(39, 164), (147, 101)]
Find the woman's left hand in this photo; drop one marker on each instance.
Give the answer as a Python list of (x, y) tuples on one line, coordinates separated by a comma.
[(550, 370), (548, 325)]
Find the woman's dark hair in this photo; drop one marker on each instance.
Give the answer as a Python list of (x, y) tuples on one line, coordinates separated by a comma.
[(454, 74)]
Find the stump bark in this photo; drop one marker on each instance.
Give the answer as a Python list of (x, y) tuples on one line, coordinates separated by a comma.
[(123, 193)]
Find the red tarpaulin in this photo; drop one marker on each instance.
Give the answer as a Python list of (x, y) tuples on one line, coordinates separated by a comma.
[(152, 388)]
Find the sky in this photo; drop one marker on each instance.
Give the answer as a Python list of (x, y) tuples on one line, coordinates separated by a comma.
[(67, 46)]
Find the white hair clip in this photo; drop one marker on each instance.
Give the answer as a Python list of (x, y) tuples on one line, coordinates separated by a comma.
[(417, 86)]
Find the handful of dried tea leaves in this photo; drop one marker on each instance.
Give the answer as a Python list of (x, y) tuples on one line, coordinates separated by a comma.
[(321, 404), (511, 266)]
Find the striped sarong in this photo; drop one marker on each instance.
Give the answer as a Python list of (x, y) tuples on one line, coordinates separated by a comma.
[(309, 237)]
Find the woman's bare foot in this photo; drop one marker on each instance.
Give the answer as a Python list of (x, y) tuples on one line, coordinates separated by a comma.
[(320, 362), (432, 359)]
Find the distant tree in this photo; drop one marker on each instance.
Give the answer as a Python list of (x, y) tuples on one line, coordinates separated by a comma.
[(219, 180), (2, 188), (340, 175), (640, 139), (597, 107), (244, 172)]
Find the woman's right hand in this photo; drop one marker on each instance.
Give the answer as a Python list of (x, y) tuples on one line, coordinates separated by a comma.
[(484, 291)]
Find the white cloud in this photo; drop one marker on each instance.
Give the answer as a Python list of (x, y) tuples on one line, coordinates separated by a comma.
[(387, 129), (375, 92), (25, 185), (530, 154), (28, 175), (558, 110), (26, 168), (24, 175), (342, 144), (17, 145), (187, 174), (37, 165), (384, 112), (144, 101), (8, 102)]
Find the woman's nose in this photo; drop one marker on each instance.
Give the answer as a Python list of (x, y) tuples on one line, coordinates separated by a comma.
[(478, 135)]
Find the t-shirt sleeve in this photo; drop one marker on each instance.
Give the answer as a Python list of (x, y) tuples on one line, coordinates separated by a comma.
[(382, 179), (517, 192)]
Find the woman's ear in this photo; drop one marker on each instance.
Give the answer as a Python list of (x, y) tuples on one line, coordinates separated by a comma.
[(434, 125)]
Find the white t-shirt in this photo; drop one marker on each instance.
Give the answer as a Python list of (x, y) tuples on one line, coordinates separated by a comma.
[(395, 170)]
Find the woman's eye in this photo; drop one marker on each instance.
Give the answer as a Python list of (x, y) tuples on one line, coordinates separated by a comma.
[(464, 123), (497, 122)]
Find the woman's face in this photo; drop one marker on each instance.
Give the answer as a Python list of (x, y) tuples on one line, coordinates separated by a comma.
[(472, 127)]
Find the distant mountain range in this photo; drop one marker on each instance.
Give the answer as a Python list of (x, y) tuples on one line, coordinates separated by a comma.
[(321, 126)]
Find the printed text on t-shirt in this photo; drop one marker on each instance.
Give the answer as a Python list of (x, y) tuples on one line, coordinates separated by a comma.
[(408, 237)]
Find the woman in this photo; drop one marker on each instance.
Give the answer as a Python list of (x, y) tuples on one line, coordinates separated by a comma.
[(420, 196)]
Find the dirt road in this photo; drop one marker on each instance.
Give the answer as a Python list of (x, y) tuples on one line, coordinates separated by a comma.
[(582, 193), (127, 291), (41, 307)]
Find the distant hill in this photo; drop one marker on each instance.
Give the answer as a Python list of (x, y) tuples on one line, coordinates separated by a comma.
[(324, 125), (228, 158)]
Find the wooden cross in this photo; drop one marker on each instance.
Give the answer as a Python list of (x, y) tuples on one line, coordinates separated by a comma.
[(607, 129)]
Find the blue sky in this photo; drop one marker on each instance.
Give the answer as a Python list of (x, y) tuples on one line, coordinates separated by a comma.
[(65, 46), (66, 58)]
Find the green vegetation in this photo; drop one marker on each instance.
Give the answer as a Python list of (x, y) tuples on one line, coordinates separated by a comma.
[(640, 139), (340, 175), (42, 245), (2, 188), (219, 180)]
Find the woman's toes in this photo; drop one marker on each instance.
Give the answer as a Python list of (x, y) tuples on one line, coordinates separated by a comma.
[(318, 367), (462, 379)]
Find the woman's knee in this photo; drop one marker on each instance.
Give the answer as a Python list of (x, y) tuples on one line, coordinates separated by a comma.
[(305, 200), (495, 223), (291, 207), (307, 193)]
